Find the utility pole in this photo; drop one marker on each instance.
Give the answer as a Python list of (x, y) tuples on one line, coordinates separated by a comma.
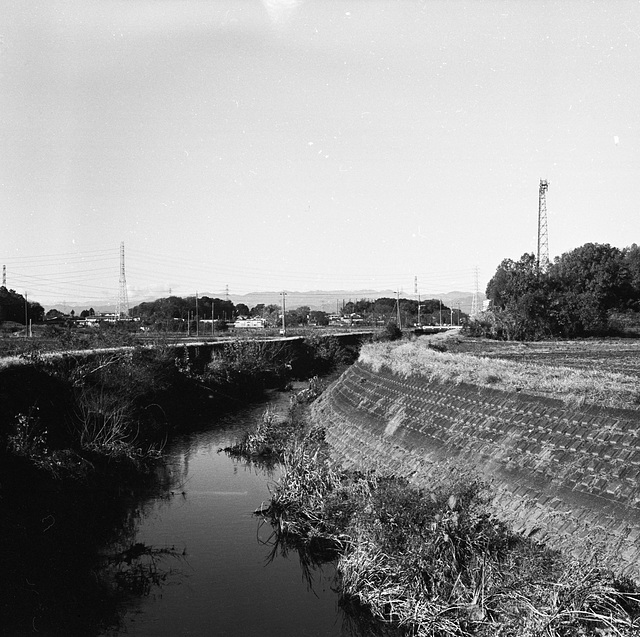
[(26, 315), (197, 317), (213, 319), (440, 312), (543, 234), (415, 289), (284, 327), (398, 310)]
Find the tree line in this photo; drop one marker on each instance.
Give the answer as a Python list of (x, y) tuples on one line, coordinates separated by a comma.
[(166, 312), (16, 308), (581, 293)]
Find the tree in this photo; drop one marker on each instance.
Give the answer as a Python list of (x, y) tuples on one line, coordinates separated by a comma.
[(242, 310), (574, 298), (519, 299), (384, 308), (631, 258), (317, 317), (53, 314), (14, 307), (589, 282), (302, 314)]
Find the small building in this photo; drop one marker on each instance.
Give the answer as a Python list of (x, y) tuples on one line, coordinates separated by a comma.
[(250, 323)]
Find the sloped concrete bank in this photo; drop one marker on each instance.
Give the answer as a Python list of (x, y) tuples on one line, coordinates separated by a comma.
[(572, 475)]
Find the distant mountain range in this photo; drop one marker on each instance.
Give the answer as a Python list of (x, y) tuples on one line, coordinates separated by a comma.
[(326, 300)]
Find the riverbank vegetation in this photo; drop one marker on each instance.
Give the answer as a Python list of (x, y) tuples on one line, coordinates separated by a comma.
[(436, 561), (106, 415)]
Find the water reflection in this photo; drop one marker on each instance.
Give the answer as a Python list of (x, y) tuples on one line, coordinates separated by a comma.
[(314, 557), (60, 572), (185, 556)]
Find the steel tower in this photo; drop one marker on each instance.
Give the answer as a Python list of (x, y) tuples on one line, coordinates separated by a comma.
[(122, 311), (543, 235), (474, 300)]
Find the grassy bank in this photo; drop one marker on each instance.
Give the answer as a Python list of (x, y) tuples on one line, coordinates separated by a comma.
[(574, 386), (436, 561), (433, 561)]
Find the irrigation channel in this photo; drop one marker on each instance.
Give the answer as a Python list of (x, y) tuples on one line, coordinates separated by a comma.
[(221, 573)]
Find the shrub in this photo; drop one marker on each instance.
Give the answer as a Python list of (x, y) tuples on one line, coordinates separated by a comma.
[(322, 355), (29, 437), (392, 332), (247, 367)]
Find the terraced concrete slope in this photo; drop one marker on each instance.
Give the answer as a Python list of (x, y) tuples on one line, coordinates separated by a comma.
[(572, 475)]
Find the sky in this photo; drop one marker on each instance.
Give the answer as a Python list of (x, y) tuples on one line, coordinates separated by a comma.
[(247, 145)]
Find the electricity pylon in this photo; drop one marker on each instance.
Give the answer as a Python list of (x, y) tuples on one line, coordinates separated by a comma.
[(474, 300), (122, 310), (543, 234)]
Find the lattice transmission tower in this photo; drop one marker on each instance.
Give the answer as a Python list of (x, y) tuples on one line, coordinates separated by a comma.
[(543, 234), (474, 300), (122, 310)]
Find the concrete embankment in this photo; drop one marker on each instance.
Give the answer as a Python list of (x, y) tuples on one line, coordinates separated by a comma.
[(571, 475)]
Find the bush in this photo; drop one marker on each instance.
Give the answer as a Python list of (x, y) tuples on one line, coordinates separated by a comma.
[(321, 355), (391, 332), (247, 368)]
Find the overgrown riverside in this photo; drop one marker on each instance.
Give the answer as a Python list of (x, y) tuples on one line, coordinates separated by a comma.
[(431, 560), (435, 560), (82, 441), (101, 417)]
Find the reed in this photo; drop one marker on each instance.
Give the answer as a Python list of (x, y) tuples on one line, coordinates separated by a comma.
[(437, 562)]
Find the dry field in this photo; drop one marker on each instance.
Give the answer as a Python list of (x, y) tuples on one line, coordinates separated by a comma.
[(599, 372), (620, 356)]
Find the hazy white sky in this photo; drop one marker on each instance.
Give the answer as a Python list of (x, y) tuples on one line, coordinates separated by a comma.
[(310, 144)]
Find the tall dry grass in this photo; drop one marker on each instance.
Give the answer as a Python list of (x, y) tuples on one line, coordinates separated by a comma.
[(573, 386), (437, 563)]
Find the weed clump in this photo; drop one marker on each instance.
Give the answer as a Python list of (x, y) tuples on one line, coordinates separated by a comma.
[(273, 436), (267, 439), (247, 368), (436, 561)]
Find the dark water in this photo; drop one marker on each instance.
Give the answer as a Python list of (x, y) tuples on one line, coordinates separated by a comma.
[(184, 556), (225, 583)]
